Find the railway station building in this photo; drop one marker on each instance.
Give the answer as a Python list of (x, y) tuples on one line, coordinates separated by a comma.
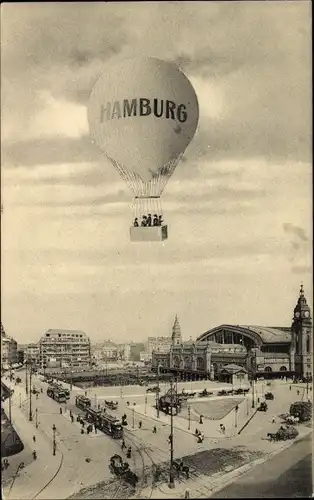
[(263, 351)]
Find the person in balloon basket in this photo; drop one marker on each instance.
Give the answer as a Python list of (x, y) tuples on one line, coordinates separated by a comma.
[(155, 220), (144, 221), (149, 220), (135, 223), (160, 221)]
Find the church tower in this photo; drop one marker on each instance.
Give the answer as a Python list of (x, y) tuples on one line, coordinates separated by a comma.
[(176, 332), (301, 341)]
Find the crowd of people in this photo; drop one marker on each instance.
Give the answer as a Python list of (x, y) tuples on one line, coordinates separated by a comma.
[(148, 221)]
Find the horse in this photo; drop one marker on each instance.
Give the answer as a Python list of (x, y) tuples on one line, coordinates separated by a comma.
[(272, 436)]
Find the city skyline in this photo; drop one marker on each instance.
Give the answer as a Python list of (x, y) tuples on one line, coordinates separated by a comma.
[(238, 208)]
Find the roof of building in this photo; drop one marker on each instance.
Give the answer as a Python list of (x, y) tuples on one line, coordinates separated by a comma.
[(233, 368), (265, 334), (61, 330), (270, 334)]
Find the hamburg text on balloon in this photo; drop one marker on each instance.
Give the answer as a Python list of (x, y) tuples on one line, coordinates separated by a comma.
[(143, 107)]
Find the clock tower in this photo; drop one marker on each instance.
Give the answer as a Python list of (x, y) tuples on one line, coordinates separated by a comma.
[(301, 338)]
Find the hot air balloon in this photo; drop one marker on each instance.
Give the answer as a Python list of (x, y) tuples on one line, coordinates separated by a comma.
[(143, 113)]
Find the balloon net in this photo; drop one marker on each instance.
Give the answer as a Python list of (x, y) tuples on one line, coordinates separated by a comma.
[(149, 189)]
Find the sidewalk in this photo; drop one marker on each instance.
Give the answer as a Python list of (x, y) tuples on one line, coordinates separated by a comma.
[(204, 486), (35, 476)]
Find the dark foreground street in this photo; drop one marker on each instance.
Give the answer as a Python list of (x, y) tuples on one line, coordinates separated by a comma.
[(286, 475)]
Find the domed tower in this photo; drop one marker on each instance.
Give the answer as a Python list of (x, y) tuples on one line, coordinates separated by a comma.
[(176, 332), (301, 341)]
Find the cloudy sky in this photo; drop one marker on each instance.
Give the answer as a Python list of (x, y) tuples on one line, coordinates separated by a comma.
[(239, 207)]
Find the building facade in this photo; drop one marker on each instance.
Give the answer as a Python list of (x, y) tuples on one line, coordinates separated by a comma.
[(195, 360), (272, 351), (8, 350), (64, 348), (262, 351), (155, 343)]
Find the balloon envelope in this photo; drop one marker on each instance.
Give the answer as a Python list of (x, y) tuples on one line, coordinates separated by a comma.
[(143, 113)]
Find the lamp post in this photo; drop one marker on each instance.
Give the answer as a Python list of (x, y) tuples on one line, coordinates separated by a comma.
[(30, 417), (157, 392), (54, 439), (236, 416), (36, 418), (253, 381), (133, 417), (20, 400), (189, 414), (145, 402), (26, 375), (10, 406), (171, 474)]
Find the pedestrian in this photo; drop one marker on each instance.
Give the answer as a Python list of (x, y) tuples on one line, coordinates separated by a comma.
[(72, 418), (154, 429), (129, 452), (34, 439), (41, 389), (60, 410), (223, 429), (273, 420), (187, 494), (34, 455), (170, 439), (289, 387), (201, 419), (123, 445), (140, 424), (298, 392), (187, 471)]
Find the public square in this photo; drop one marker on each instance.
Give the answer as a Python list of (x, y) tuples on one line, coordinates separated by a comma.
[(80, 467)]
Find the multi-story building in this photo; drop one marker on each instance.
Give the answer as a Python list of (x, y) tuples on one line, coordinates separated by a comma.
[(105, 351), (155, 343), (32, 352), (8, 350), (64, 348)]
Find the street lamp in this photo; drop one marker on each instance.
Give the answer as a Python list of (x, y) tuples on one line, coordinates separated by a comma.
[(189, 414), (54, 439), (171, 472), (157, 392), (133, 414), (30, 417), (145, 402), (236, 416), (253, 380), (36, 416)]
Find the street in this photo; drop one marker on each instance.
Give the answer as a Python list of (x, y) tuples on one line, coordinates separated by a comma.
[(82, 460), (288, 474)]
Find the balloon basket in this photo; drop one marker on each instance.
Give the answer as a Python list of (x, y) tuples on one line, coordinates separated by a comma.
[(154, 233)]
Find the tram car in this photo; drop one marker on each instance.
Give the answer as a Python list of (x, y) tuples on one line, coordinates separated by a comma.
[(56, 394), (82, 402), (110, 425)]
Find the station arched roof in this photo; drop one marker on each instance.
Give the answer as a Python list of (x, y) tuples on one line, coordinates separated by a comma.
[(259, 334)]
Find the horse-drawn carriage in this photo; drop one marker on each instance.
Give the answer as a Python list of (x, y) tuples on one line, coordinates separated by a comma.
[(113, 405), (263, 406), (122, 470), (283, 434)]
